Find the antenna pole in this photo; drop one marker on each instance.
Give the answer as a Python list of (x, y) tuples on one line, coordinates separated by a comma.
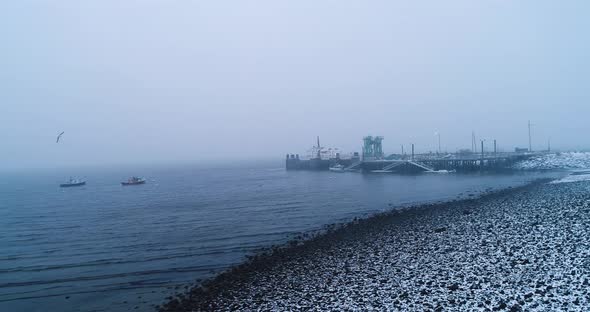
[(530, 144)]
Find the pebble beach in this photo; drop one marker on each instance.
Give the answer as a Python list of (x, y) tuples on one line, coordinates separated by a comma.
[(520, 249)]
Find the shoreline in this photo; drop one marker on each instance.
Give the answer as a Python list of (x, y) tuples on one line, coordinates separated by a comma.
[(210, 294)]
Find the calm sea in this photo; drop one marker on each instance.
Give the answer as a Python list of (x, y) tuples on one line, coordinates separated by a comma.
[(105, 247)]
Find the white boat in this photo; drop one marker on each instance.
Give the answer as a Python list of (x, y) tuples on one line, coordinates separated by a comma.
[(441, 171), (337, 168), (73, 182)]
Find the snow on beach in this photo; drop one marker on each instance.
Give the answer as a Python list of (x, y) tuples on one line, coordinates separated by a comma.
[(525, 249), (576, 176), (567, 160)]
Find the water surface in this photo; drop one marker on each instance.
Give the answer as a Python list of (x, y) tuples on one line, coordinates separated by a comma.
[(105, 247)]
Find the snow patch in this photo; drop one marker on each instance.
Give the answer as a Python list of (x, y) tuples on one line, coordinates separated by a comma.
[(574, 177), (569, 160)]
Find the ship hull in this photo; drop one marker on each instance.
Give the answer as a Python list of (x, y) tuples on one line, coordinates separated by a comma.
[(132, 183), (72, 184)]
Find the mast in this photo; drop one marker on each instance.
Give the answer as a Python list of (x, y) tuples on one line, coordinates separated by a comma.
[(319, 148), (473, 142)]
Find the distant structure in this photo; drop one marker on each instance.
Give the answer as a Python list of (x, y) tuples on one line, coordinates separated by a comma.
[(372, 160), (316, 162), (465, 151), (373, 148), (318, 148), (321, 158), (293, 161), (530, 141)]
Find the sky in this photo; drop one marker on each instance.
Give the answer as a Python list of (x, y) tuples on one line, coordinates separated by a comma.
[(194, 81)]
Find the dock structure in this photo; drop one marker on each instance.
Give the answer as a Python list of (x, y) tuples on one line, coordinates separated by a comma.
[(428, 163), (419, 164), (374, 161)]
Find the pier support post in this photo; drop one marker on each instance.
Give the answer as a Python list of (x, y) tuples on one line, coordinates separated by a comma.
[(495, 148), (481, 154), (412, 151)]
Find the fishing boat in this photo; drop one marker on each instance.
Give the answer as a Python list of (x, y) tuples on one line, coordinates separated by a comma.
[(337, 168), (134, 181), (73, 182)]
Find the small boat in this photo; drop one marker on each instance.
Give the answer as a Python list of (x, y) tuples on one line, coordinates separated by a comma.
[(337, 168), (134, 181), (440, 171), (73, 182)]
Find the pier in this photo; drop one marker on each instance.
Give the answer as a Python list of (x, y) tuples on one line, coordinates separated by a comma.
[(373, 160), (428, 163)]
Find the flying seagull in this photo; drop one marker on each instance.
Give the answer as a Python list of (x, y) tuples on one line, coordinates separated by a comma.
[(59, 137)]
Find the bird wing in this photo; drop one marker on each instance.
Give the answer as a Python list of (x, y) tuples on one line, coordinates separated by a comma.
[(59, 136)]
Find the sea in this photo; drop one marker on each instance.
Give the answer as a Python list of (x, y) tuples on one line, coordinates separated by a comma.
[(108, 247)]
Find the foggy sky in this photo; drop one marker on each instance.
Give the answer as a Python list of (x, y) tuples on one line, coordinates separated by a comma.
[(187, 80)]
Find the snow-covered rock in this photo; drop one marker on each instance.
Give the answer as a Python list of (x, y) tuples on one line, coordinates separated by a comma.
[(576, 176), (569, 160)]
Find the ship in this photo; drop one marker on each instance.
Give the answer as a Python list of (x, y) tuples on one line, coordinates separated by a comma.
[(321, 158), (134, 181), (73, 182)]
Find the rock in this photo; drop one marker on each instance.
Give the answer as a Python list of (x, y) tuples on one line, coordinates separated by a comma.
[(453, 287), (501, 306), (528, 295)]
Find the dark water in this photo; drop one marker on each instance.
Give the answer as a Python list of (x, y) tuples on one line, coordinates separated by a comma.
[(107, 247)]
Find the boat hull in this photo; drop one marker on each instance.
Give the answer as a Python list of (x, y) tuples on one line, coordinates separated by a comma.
[(72, 184), (132, 183)]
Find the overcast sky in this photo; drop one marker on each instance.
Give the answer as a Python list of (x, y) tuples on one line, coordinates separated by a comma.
[(189, 80)]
